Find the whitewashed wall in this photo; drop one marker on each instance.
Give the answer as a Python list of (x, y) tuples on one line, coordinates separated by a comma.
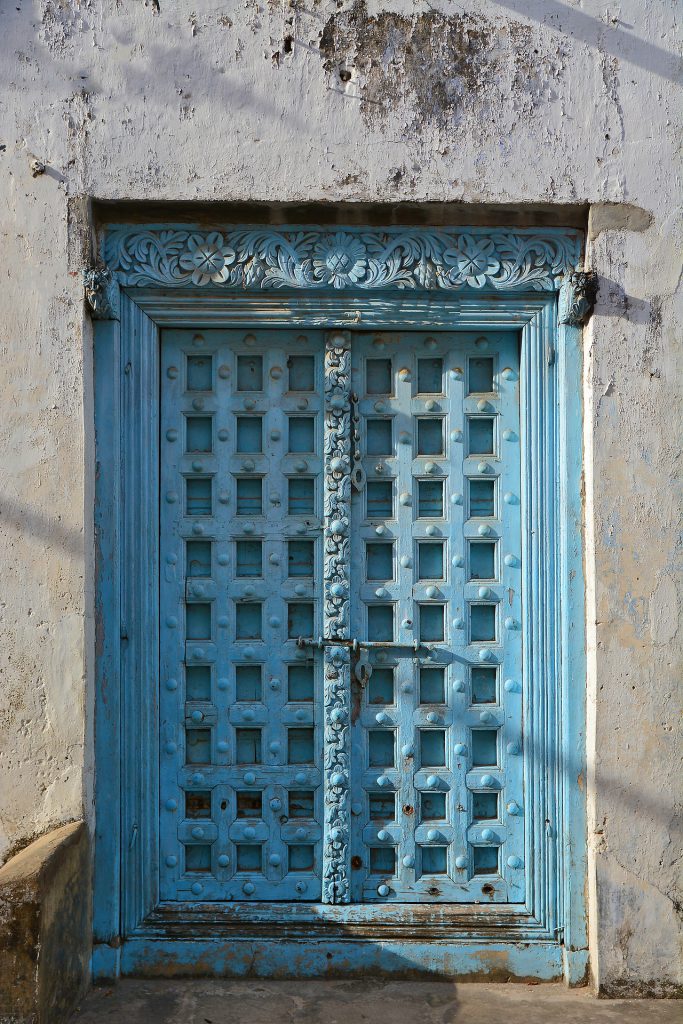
[(516, 102)]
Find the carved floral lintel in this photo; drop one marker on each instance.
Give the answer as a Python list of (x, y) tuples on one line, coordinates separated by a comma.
[(260, 258)]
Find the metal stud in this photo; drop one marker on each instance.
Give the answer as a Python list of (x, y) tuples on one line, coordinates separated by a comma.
[(197, 888), (248, 528), (380, 406), (249, 778), (404, 374), (198, 778), (276, 372), (223, 683), (432, 592), (248, 715), (300, 589), (381, 592), (459, 749), (404, 437), (249, 832), (509, 374), (514, 748), (408, 750), (171, 497), (224, 497), (337, 779), (431, 343), (171, 747), (249, 403), (274, 859), (432, 531), (301, 715), (223, 860), (198, 404), (488, 781), (380, 530), (223, 434), (408, 861), (482, 467), (510, 623), (223, 559), (485, 655), (356, 808), (197, 832), (514, 808), (456, 499), (301, 887), (488, 835), (198, 653), (197, 715), (275, 804), (405, 498), (482, 342), (248, 888), (406, 561), (274, 747), (382, 890), (301, 778), (172, 372), (484, 530), (430, 467), (484, 592), (486, 716), (171, 435), (198, 529), (459, 686), (457, 561), (382, 718), (302, 403), (275, 435), (383, 835), (248, 465), (171, 861), (171, 805), (510, 560), (431, 405), (406, 687), (273, 621), (511, 686), (223, 371), (383, 781), (483, 405), (461, 862), (222, 746), (432, 781), (456, 373), (456, 436), (509, 498), (432, 717), (171, 684), (514, 862), (432, 835)]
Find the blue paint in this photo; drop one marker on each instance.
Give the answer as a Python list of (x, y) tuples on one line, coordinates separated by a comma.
[(550, 637)]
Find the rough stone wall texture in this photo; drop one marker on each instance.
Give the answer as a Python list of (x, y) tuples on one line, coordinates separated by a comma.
[(517, 101)]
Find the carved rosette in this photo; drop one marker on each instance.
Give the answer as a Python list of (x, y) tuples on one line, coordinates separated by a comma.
[(336, 569)]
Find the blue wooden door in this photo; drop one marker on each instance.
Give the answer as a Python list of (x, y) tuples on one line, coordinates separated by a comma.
[(340, 613)]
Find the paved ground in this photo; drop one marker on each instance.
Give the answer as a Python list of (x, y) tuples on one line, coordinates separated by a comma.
[(367, 1002)]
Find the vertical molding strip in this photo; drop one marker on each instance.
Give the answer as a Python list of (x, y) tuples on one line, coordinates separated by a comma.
[(337, 661)]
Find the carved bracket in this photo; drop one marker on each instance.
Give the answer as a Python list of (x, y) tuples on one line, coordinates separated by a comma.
[(579, 297), (102, 293)]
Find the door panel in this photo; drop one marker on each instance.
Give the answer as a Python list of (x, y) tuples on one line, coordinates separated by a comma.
[(260, 445), (437, 791)]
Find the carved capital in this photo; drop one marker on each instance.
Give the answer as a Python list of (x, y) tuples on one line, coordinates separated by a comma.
[(102, 293), (579, 299)]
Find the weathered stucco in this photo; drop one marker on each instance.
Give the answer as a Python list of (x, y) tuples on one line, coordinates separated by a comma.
[(518, 102)]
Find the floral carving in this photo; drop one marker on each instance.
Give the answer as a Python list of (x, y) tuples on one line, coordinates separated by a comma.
[(337, 696), (349, 259)]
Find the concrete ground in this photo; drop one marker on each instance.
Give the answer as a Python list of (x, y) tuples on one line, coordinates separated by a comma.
[(361, 1002)]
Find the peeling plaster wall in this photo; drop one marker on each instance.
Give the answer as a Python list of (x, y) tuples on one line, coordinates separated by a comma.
[(517, 102)]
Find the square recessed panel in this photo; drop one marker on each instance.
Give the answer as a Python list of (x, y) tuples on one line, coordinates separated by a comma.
[(430, 560), (199, 433), (432, 748), (250, 373), (248, 746), (381, 622), (198, 558), (198, 621), (198, 492), (485, 806), (381, 686), (249, 856), (485, 860), (248, 621), (301, 434), (301, 373), (379, 498), (378, 377), (301, 857), (383, 860), (198, 746), (430, 499), (299, 620), (482, 499), (249, 496), (301, 803), (378, 437), (429, 376), (379, 561), (382, 806), (380, 748), (480, 436), (483, 685), (432, 807), (249, 434), (432, 622), (199, 373), (482, 622), (434, 860), (198, 858), (430, 436), (482, 560), (480, 375), (300, 557), (249, 804), (198, 804), (300, 682), (248, 683), (432, 686), (301, 497), (198, 682), (248, 558), (484, 747), (300, 746)]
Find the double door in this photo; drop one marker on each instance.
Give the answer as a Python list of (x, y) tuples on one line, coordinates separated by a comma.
[(341, 664)]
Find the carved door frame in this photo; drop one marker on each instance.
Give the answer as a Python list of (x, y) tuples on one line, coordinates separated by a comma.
[(403, 279)]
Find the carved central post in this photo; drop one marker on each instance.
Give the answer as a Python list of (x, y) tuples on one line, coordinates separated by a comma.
[(336, 570)]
